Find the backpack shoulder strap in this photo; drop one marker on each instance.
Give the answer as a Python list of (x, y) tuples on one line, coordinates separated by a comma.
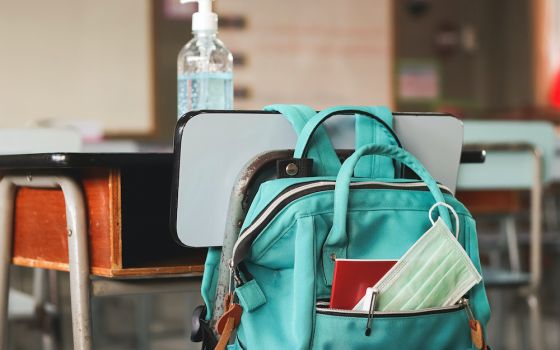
[(325, 160), (367, 132)]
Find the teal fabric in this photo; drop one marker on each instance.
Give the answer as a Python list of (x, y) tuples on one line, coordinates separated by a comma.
[(343, 180), (308, 130), (410, 332), (337, 240), (286, 263), (369, 131), (327, 163), (250, 296), (321, 150), (271, 189), (210, 278), (382, 224), (325, 160), (285, 259)]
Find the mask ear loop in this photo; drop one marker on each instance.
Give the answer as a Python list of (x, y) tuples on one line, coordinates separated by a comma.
[(452, 212)]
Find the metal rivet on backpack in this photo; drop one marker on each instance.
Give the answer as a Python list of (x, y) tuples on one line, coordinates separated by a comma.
[(333, 256), (292, 169)]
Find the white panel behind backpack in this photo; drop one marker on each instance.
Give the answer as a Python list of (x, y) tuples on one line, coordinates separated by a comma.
[(215, 146)]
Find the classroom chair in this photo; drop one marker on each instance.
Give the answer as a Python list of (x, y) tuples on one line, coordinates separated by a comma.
[(519, 157)]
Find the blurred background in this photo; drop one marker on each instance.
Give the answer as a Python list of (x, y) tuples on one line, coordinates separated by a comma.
[(109, 69)]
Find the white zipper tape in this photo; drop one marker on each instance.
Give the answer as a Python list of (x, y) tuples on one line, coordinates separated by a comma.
[(325, 309)]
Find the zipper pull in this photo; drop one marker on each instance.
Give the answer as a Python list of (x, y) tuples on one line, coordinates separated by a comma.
[(374, 294), (477, 335), (231, 281)]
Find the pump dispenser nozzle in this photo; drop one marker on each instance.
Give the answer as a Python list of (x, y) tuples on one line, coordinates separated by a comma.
[(204, 19)]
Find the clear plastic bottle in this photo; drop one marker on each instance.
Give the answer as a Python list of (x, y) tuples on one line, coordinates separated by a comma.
[(204, 67)]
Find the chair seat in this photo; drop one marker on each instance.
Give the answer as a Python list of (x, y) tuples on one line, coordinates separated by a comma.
[(501, 278)]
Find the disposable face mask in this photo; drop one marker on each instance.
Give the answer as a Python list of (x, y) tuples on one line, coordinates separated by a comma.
[(435, 272)]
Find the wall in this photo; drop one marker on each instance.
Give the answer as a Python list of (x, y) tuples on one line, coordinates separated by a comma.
[(77, 61), (496, 74)]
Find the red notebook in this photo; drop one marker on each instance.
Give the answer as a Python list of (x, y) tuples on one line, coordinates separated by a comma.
[(352, 277)]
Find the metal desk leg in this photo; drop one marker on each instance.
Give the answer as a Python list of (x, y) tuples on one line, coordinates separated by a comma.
[(77, 249), (7, 194), (45, 312), (78, 262), (535, 317)]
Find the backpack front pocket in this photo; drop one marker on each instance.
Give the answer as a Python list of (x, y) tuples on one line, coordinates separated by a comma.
[(434, 328)]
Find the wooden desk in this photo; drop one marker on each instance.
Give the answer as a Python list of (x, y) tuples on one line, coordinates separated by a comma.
[(100, 214), (127, 198)]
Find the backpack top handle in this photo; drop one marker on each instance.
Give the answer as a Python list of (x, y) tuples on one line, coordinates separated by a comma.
[(335, 245), (307, 132)]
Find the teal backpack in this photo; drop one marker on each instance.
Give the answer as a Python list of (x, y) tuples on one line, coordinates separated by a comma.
[(283, 260)]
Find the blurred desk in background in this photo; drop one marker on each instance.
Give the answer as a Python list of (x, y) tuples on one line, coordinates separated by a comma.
[(127, 198), (104, 214)]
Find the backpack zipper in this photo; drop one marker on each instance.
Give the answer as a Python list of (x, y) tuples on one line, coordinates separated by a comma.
[(462, 304), (297, 191), (322, 308)]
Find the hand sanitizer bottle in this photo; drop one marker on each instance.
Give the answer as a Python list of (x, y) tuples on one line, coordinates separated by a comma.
[(204, 66)]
